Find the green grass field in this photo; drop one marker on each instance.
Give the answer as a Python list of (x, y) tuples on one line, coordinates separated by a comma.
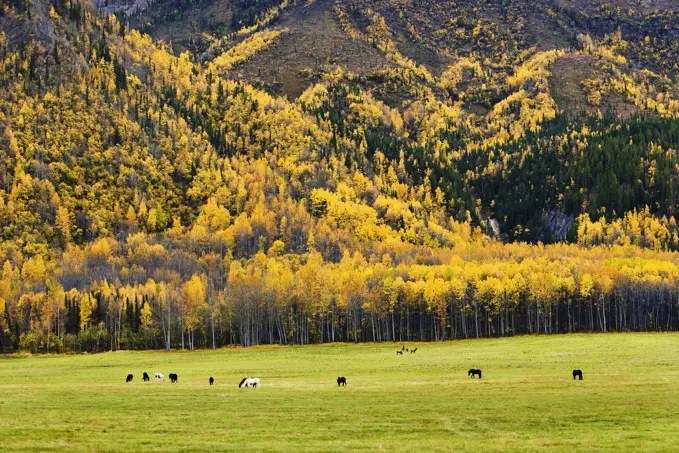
[(527, 400)]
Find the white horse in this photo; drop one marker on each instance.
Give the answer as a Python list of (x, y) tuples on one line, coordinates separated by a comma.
[(159, 376), (249, 382)]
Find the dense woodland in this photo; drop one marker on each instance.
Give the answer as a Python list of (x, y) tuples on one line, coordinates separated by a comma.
[(156, 199)]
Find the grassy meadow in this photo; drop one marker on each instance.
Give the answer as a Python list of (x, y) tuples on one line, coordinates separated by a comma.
[(527, 400)]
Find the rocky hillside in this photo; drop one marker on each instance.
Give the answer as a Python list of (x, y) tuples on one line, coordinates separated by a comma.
[(503, 111)]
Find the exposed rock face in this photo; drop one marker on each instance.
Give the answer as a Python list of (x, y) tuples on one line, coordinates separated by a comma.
[(494, 226), (558, 224)]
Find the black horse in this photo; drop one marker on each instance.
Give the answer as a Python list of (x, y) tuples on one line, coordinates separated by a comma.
[(474, 372), (413, 351), (341, 381), (577, 374), (129, 378), (399, 352), (212, 380), (146, 377), (173, 378)]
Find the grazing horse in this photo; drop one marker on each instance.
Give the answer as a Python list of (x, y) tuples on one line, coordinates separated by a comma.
[(577, 373), (249, 382), (341, 381), (146, 377), (399, 352), (159, 376), (474, 372), (212, 380), (413, 351), (173, 378), (129, 378), (406, 349)]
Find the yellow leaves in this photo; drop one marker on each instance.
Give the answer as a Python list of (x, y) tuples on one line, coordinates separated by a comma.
[(345, 22), (193, 301), (586, 285), (102, 249), (53, 14), (214, 216), (638, 228), (146, 315), (536, 70), (86, 305), (450, 79), (34, 271), (395, 212), (347, 214), (269, 16), (244, 50), (314, 97)]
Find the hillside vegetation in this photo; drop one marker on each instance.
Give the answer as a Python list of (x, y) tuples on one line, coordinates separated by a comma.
[(313, 171)]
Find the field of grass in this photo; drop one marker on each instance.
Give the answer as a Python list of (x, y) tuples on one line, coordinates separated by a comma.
[(527, 400)]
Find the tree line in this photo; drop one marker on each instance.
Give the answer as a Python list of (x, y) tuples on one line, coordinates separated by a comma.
[(479, 289)]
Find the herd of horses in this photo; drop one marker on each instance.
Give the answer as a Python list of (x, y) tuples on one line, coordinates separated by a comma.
[(403, 348), (174, 378), (341, 381)]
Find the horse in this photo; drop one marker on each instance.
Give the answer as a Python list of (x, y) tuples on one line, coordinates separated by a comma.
[(577, 373), (159, 376), (174, 378), (402, 347), (413, 351), (129, 378), (406, 349), (399, 352), (249, 382), (212, 380), (474, 372), (341, 381), (146, 377)]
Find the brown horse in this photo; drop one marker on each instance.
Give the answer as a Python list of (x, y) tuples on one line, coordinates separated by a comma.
[(474, 372), (341, 381), (212, 380), (413, 351)]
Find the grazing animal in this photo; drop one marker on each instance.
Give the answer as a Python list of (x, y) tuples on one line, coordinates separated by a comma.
[(577, 373), (341, 381), (413, 351), (173, 378), (406, 349), (249, 382), (474, 372), (212, 380), (402, 347), (159, 376), (399, 352), (146, 377), (129, 378)]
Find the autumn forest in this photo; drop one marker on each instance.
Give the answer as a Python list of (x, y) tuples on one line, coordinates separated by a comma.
[(320, 171)]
